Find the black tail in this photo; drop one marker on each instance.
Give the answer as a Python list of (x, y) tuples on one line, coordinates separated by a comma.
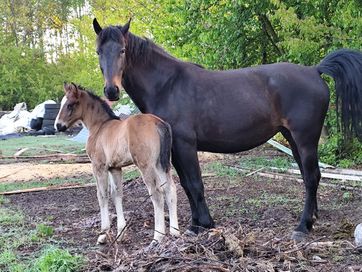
[(345, 66), (164, 130)]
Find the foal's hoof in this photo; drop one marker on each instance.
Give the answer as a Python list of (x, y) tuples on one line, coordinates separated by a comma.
[(298, 236), (102, 239)]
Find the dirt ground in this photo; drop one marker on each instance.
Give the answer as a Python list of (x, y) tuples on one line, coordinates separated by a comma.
[(32, 171), (254, 215)]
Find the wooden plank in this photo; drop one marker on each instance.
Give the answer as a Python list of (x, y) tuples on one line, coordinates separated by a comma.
[(290, 153), (47, 188)]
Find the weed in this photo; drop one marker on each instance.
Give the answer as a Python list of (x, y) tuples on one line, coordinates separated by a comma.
[(44, 231), (3, 200), (9, 217), (278, 162), (55, 259), (222, 170)]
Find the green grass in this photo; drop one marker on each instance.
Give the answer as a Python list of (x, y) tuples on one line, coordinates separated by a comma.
[(54, 259), (10, 218), (6, 187), (15, 234), (258, 162), (41, 145), (131, 175), (221, 170)]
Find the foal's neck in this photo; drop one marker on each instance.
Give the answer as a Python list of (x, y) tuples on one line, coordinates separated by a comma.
[(95, 113)]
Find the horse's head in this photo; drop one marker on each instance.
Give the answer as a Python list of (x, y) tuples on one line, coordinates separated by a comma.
[(111, 50), (70, 108)]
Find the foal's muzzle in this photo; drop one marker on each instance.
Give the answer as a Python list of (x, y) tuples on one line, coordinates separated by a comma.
[(112, 93), (61, 127)]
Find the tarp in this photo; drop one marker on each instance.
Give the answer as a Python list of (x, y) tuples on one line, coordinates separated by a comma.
[(19, 119)]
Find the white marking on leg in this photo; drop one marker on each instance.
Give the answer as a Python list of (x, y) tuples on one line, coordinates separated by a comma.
[(116, 186), (171, 201)]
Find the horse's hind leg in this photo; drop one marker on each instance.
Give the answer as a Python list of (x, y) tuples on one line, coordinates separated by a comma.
[(115, 180), (287, 135), (156, 194), (166, 181), (306, 145)]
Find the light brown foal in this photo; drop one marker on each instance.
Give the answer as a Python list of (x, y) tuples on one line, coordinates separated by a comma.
[(143, 140)]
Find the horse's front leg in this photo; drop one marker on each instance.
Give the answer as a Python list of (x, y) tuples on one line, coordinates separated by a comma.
[(117, 195), (101, 175), (186, 163)]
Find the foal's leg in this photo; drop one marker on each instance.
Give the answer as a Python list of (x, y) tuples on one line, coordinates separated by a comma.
[(117, 194), (307, 149), (186, 163), (156, 194), (166, 181), (101, 176)]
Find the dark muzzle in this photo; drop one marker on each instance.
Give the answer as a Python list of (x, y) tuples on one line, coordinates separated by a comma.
[(112, 93)]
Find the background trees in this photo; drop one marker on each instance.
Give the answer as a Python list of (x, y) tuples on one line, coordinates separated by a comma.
[(46, 42)]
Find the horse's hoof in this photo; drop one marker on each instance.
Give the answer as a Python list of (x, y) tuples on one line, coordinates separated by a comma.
[(102, 239), (190, 233), (298, 236)]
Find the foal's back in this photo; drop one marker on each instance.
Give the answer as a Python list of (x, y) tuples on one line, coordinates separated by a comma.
[(122, 142)]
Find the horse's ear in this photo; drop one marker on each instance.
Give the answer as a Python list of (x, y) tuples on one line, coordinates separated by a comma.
[(97, 28), (75, 90), (125, 28)]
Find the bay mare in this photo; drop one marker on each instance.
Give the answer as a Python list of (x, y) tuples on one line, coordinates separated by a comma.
[(144, 140), (232, 111)]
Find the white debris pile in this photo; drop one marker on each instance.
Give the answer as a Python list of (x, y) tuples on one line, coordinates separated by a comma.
[(19, 119)]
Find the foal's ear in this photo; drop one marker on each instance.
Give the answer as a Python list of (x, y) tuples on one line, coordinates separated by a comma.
[(97, 28), (71, 91), (125, 28)]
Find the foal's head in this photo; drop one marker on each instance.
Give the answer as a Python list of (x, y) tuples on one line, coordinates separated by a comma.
[(70, 109), (111, 49)]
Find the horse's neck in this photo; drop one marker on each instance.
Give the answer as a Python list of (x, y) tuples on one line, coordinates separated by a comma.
[(93, 117), (145, 82)]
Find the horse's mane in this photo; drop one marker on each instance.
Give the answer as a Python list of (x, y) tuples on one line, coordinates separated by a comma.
[(138, 49), (103, 103)]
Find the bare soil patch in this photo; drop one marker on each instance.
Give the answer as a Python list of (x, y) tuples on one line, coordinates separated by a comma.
[(31, 171), (257, 214)]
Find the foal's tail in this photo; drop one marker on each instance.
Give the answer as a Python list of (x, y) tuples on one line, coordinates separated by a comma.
[(164, 159), (345, 66)]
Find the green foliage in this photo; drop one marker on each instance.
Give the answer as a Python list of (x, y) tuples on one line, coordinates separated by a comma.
[(57, 260), (45, 43)]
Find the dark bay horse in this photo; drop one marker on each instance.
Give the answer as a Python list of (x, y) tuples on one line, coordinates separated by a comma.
[(232, 111), (144, 140)]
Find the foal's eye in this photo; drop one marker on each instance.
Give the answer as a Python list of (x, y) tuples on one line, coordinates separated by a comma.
[(70, 107), (123, 50)]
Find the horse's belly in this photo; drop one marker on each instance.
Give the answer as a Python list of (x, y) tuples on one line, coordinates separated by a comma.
[(235, 140)]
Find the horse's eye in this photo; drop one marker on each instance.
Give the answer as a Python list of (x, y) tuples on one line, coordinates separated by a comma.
[(70, 107), (123, 50)]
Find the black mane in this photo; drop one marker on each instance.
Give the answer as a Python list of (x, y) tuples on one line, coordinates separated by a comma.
[(137, 48), (105, 106)]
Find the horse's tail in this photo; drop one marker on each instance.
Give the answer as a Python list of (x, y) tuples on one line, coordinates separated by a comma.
[(164, 159), (345, 66)]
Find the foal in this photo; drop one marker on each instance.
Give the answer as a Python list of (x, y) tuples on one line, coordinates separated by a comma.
[(143, 140)]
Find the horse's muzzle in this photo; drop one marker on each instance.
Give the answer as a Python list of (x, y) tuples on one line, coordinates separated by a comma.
[(112, 93), (61, 127)]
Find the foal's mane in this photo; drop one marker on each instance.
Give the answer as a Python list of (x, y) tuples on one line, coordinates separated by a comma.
[(103, 103), (138, 49)]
